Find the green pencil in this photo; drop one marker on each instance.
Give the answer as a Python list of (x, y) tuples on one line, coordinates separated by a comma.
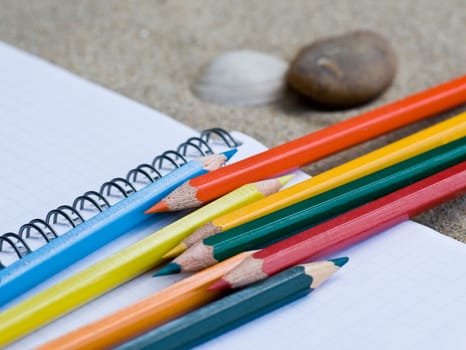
[(295, 218), (237, 308)]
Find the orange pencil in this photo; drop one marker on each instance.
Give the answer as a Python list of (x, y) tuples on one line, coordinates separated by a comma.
[(148, 313), (316, 145)]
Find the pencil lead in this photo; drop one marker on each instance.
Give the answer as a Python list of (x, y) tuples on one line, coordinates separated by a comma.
[(340, 261), (180, 248), (285, 179), (168, 270), (220, 284), (160, 207), (228, 154)]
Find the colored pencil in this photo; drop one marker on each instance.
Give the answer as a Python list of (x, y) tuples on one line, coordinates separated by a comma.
[(161, 307), (255, 191), (351, 227), (109, 272), (262, 230), (97, 231), (237, 308), (383, 157), (317, 145)]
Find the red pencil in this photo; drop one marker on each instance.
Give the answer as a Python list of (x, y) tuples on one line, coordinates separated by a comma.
[(349, 228), (316, 145)]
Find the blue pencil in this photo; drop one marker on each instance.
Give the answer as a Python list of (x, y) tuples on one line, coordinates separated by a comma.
[(94, 233)]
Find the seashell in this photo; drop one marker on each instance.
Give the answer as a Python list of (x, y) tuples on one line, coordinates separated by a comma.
[(344, 71), (242, 78)]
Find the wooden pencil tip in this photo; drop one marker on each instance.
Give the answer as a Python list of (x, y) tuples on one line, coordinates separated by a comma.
[(168, 270), (160, 207), (220, 284)]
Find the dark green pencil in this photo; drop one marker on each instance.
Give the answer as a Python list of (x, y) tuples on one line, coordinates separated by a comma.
[(307, 213), (237, 308)]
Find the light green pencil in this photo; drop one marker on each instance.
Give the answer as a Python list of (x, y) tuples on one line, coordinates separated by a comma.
[(122, 266)]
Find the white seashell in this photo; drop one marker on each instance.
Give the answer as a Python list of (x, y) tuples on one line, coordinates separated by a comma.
[(242, 78)]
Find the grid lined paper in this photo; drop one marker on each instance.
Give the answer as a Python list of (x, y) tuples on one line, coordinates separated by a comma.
[(61, 136)]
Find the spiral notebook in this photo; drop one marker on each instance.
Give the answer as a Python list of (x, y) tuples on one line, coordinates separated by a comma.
[(62, 136)]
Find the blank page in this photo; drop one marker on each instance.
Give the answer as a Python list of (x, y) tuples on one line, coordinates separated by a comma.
[(61, 135)]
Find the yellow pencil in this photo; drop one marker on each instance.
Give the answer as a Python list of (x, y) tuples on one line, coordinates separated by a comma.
[(405, 148), (120, 267)]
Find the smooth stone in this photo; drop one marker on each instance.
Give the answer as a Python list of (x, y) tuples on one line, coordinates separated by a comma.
[(344, 71), (242, 78)]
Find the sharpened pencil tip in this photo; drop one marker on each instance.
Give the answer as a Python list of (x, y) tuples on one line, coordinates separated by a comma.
[(340, 261), (160, 207), (168, 270), (179, 249), (220, 284), (228, 154), (285, 179)]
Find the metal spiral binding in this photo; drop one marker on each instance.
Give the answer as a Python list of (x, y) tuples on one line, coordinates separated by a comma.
[(69, 216)]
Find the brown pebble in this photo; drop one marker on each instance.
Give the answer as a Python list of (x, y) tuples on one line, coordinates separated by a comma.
[(344, 71)]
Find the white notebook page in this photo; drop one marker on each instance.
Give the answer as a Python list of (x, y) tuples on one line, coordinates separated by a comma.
[(401, 288), (61, 136)]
